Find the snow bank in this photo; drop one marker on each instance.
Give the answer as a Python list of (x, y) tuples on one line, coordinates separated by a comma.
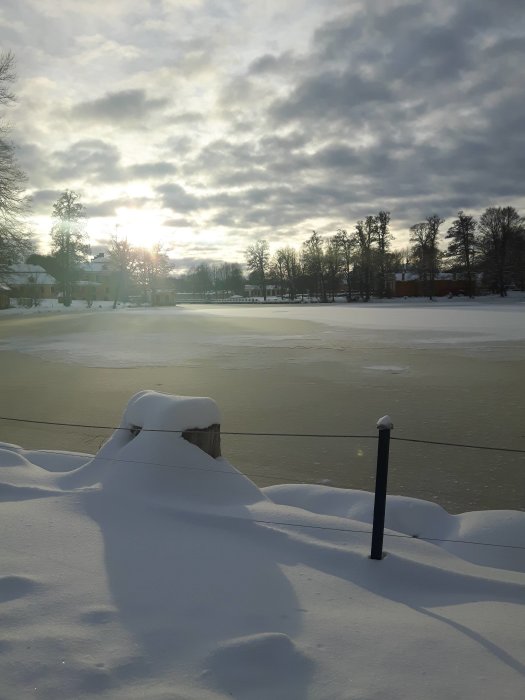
[(152, 570)]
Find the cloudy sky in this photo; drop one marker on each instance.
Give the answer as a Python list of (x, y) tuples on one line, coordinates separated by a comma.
[(207, 124)]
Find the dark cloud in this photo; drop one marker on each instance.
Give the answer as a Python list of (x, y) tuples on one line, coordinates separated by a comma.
[(109, 207), (42, 201), (186, 118), (151, 170), (175, 197), (329, 94), (184, 264), (92, 160), (180, 222), (269, 64), (123, 107), (99, 162)]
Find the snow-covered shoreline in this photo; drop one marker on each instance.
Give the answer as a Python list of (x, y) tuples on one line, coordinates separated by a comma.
[(53, 306)]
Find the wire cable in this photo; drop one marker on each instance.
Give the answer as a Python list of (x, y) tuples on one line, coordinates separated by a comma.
[(268, 434)]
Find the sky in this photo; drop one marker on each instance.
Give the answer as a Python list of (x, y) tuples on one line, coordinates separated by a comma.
[(209, 124)]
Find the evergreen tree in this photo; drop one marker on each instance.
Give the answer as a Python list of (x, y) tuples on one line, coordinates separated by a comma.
[(463, 247)]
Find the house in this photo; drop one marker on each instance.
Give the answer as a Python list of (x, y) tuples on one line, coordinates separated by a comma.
[(163, 297), (30, 282), (97, 281), (256, 290), (409, 284)]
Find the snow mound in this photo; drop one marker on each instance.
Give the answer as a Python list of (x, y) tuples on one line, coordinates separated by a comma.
[(266, 664), (147, 456), (420, 520)]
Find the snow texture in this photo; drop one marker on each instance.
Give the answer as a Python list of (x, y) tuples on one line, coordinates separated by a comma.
[(154, 571)]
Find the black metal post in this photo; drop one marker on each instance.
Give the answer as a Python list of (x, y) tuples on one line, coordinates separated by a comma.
[(384, 425)]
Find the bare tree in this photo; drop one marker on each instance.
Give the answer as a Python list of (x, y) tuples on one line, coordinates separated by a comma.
[(227, 277), (151, 265), (314, 263), (424, 239), (258, 262), (15, 239), (123, 261), (501, 233), (333, 264), (68, 239), (383, 240), (347, 247), (287, 269), (365, 236)]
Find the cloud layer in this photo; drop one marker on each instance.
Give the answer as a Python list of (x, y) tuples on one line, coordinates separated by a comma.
[(217, 123)]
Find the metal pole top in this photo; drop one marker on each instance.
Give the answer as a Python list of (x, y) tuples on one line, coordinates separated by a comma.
[(385, 423)]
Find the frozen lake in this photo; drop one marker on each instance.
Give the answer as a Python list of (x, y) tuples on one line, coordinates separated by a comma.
[(448, 371)]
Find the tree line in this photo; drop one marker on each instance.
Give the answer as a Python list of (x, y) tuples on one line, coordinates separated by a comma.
[(488, 252)]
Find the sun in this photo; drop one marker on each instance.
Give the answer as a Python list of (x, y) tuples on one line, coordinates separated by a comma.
[(142, 228)]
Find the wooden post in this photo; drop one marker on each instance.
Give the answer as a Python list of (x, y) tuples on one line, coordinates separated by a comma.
[(207, 439), (384, 425)]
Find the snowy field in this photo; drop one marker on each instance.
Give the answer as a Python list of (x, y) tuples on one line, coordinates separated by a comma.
[(154, 571)]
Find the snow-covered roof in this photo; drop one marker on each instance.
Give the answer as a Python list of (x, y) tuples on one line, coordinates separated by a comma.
[(96, 266), (26, 267), (23, 273)]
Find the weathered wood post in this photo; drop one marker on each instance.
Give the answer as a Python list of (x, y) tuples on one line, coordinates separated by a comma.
[(384, 425), (207, 439)]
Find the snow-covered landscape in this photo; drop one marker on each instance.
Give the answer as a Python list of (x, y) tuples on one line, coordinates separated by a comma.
[(262, 350), (154, 571)]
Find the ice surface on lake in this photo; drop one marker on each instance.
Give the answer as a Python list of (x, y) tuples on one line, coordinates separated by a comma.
[(395, 324)]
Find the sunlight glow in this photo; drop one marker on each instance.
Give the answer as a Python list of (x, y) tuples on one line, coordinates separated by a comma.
[(142, 228)]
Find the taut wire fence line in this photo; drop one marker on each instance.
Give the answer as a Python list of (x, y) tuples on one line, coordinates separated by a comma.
[(384, 426), (248, 433)]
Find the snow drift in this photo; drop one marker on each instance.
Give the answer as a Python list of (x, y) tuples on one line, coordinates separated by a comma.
[(153, 570)]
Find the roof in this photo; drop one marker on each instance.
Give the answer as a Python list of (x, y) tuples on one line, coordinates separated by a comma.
[(96, 266), (22, 273)]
